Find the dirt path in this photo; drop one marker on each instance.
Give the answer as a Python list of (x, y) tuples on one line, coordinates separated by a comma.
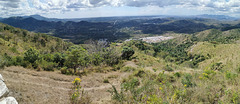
[(32, 87)]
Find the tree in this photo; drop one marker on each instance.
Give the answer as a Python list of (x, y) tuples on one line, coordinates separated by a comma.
[(127, 52), (76, 57), (59, 58), (31, 55)]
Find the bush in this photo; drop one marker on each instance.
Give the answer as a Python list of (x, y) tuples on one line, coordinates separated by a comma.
[(127, 52), (67, 71), (31, 55), (64, 70), (187, 81), (45, 65), (59, 58), (168, 68)]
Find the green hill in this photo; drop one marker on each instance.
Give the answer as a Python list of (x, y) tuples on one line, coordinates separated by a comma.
[(15, 41)]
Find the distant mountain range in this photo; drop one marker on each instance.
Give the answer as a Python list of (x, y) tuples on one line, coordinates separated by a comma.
[(113, 28), (117, 18), (217, 17)]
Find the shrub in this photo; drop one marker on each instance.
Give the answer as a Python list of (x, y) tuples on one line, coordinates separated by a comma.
[(116, 95), (187, 81), (217, 66), (139, 73), (31, 55), (59, 58), (177, 74), (230, 75), (127, 52), (128, 69), (168, 68), (47, 66), (67, 71), (64, 70)]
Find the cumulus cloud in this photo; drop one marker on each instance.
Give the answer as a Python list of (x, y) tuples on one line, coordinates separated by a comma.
[(24, 7)]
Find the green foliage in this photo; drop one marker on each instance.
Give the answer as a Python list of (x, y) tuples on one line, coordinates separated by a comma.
[(177, 74), (65, 70), (76, 57), (111, 56), (31, 55), (141, 46), (116, 95), (127, 52), (217, 66), (139, 73), (128, 69), (230, 75), (59, 58), (168, 68), (176, 52), (154, 99), (187, 81), (46, 65)]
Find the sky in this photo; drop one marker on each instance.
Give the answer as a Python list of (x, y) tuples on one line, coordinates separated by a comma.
[(106, 8)]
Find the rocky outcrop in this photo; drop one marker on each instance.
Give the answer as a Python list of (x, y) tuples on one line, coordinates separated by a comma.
[(4, 92), (3, 89)]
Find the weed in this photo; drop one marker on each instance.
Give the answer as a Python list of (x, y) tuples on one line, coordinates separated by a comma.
[(187, 81), (105, 81)]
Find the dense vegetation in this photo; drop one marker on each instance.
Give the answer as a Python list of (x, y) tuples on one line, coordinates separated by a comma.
[(42, 52), (111, 29)]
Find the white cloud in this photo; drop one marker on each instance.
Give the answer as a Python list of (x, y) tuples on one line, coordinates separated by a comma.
[(27, 7)]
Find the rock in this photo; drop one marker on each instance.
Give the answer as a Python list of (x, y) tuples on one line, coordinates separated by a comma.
[(9, 100), (1, 78), (3, 89), (4, 92)]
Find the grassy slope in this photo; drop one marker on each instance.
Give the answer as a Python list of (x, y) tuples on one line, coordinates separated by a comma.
[(227, 54), (200, 85), (15, 41)]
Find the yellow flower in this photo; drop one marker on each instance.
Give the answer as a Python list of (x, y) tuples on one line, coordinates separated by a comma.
[(76, 80), (185, 85), (160, 88)]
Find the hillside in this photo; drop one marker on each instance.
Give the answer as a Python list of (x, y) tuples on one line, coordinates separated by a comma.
[(201, 67), (15, 41)]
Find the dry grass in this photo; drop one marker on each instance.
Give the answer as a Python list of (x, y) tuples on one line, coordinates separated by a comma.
[(32, 87)]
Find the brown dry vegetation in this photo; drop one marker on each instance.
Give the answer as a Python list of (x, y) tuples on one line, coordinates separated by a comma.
[(32, 87)]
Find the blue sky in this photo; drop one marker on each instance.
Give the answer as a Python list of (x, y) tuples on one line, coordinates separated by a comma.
[(105, 8)]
